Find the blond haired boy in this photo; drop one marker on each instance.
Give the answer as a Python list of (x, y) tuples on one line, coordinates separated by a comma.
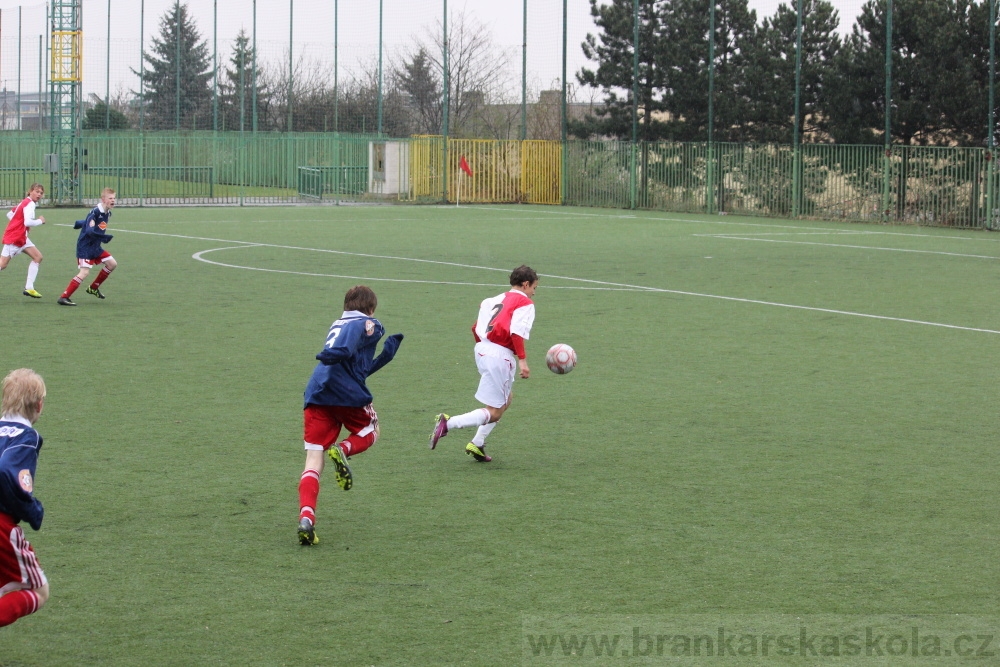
[(23, 586), (93, 234), (15, 237)]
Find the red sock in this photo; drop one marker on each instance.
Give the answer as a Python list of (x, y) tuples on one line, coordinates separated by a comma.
[(17, 604), (101, 277), (308, 493), (355, 444), (73, 284)]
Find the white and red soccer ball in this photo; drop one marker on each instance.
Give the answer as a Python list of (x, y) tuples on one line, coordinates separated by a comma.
[(560, 358)]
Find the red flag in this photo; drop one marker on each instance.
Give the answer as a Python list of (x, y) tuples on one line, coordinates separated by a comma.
[(464, 166)]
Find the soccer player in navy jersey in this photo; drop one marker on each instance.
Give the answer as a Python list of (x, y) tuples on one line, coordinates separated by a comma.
[(89, 250), (504, 323), (23, 586), (337, 397)]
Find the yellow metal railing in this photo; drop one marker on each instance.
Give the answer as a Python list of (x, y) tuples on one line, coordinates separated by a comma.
[(502, 171), (67, 55)]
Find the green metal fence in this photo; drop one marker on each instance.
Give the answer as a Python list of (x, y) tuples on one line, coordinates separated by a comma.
[(925, 185), (915, 185), (332, 181)]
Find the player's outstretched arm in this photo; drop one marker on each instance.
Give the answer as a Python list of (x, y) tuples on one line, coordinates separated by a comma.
[(389, 348)]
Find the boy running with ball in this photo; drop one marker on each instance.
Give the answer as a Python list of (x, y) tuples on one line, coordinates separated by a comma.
[(504, 323)]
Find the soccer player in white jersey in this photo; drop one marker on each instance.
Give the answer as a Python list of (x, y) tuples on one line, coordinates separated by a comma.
[(15, 237), (504, 323)]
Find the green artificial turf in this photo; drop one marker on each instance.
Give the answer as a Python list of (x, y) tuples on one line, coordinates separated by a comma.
[(767, 421)]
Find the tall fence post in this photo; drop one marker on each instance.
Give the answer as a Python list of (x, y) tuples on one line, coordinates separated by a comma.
[(177, 80), (444, 109), (291, 45), (142, 99), (887, 158), (990, 125), (336, 72), (215, 65), (41, 105), (563, 120), (107, 75), (19, 67), (379, 68), (797, 129), (635, 102), (710, 165), (524, 72), (253, 76)]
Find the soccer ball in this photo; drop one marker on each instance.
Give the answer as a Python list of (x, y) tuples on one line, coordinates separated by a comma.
[(560, 358)]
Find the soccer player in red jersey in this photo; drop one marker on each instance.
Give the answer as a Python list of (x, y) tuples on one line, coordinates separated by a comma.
[(15, 237), (23, 586), (504, 323)]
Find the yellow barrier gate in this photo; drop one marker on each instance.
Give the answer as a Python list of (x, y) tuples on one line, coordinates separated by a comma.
[(528, 172)]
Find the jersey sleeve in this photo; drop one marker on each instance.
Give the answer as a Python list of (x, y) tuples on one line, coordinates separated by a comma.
[(521, 321), (29, 215), (16, 483)]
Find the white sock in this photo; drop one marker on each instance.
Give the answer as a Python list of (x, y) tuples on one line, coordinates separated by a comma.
[(32, 274), (474, 418), (482, 432)]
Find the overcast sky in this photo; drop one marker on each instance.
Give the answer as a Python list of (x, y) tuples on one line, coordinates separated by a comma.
[(405, 22)]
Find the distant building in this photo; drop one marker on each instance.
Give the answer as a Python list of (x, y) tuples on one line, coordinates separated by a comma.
[(33, 111)]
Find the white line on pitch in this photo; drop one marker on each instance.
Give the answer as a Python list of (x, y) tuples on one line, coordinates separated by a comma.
[(585, 280), (200, 257), (757, 224), (855, 247)]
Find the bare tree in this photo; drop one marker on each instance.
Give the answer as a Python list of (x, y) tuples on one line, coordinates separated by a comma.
[(478, 72)]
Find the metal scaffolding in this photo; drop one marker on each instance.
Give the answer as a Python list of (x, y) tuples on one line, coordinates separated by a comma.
[(65, 91)]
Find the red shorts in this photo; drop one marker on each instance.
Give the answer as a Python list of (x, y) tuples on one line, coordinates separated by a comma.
[(94, 261), (323, 423), (19, 568)]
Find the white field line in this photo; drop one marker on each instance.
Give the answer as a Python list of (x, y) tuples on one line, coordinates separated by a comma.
[(602, 284), (854, 247), (708, 221)]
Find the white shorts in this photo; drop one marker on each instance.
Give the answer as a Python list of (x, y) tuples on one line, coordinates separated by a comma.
[(496, 366), (12, 250)]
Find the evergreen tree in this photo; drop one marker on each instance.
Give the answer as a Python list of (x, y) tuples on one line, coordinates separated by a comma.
[(686, 62), (958, 62), (857, 100), (99, 117), (178, 55), (773, 72), (936, 94), (237, 88), (419, 82), (613, 51)]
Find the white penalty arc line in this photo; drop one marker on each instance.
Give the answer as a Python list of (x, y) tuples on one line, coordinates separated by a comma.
[(200, 256), (642, 288)]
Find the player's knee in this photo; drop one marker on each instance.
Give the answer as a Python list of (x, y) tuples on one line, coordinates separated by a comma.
[(43, 595), (110, 265)]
